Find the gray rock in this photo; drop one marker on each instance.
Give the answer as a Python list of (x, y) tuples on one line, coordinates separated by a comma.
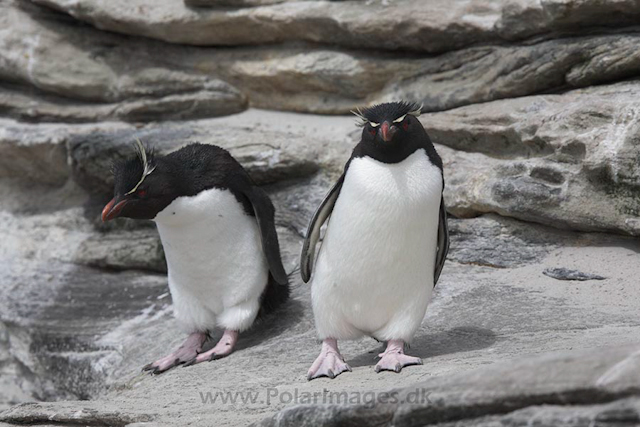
[(269, 150), (84, 333), (573, 378), (38, 156), (76, 79), (439, 27), (434, 27), (234, 3), (523, 18), (567, 160), (129, 249), (18, 383), (485, 73), (82, 306), (61, 350), (617, 413), (139, 79), (499, 242), (27, 414), (271, 146), (567, 274), (42, 50)]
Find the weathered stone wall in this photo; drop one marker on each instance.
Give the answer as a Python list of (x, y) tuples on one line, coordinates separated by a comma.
[(533, 106)]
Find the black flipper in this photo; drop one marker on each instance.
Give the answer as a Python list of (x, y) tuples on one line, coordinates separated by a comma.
[(443, 242), (313, 232), (265, 212)]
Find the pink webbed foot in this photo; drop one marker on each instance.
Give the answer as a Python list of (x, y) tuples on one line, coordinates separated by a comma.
[(187, 351), (222, 349), (329, 363), (394, 359)]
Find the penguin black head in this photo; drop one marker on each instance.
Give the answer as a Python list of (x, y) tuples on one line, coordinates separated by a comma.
[(390, 124), (143, 186), (392, 132)]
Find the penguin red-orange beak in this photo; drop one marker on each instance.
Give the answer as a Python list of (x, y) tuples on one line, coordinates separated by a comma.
[(112, 209), (387, 131)]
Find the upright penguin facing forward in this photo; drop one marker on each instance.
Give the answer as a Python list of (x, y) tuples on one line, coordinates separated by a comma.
[(218, 233), (385, 243)]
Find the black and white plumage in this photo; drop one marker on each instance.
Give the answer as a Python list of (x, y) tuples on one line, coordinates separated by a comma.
[(386, 239), (218, 233)]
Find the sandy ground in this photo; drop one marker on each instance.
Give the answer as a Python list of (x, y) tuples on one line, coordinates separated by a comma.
[(479, 316)]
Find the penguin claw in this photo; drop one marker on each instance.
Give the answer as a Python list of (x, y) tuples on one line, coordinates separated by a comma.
[(394, 362), (189, 362), (183, 354), (328, 365)]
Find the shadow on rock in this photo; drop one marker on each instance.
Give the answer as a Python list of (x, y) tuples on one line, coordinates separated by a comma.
[(271, 326), (456, 340)]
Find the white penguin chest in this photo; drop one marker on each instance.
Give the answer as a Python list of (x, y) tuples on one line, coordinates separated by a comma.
[(210, 243), (384, 225), (390, 198), (410, 184)]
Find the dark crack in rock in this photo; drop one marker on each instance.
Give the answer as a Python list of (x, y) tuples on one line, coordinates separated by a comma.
[(567, 274)]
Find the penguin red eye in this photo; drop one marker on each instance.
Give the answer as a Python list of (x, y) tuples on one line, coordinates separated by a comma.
[(405, 124), (141, 193), (372, 132)]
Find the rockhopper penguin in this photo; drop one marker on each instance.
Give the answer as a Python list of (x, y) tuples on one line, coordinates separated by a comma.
[(218, 233), (385, 243)]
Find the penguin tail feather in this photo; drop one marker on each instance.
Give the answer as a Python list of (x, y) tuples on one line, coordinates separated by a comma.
[(274, 296)]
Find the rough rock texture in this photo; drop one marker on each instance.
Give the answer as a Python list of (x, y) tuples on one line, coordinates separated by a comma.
[(127, 249), (58, 62), (499, 392), (566, 274), (234, 3), (569, 160), (532, 105), (564, 160), (269, 154), (84, 305), (52, 68), (433, 26)]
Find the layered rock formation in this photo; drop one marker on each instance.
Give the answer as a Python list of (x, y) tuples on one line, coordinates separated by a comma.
[(531, 104)]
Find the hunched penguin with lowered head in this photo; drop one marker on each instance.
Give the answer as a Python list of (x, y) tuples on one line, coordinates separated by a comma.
[(385, 243), (219, 238)]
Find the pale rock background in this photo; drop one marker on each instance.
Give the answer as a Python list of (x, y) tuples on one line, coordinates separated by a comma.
[(533, 105)]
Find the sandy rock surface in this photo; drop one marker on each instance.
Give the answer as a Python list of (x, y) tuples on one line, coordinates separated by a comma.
[(85, 305), (532, 105)]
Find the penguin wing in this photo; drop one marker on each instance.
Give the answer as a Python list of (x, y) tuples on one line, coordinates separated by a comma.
[(313, 232), (265, 213), (443, 242)]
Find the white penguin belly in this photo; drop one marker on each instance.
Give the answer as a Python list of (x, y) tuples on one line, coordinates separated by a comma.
[(217, 270), (375, 270)]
